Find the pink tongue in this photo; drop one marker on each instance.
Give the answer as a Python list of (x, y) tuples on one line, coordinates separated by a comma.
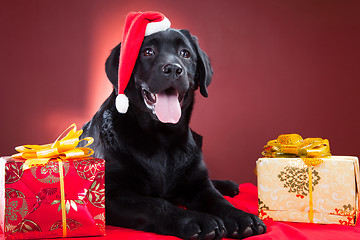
[(167, 108)]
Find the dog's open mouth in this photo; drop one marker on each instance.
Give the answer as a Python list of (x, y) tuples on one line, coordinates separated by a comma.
[(165, 105)]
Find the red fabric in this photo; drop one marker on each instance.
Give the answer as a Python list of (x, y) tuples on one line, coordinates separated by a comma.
[(247, 200)]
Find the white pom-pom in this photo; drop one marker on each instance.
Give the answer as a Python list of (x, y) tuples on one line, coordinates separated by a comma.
[(122, 103), (154, 27)]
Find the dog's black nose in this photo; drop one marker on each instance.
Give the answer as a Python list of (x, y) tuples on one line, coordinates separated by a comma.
[(174, 70)]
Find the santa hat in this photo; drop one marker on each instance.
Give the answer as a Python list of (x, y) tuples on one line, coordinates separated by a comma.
[(137, 26)]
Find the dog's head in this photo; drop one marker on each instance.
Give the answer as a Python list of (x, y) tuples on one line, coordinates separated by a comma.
[(169, 68)]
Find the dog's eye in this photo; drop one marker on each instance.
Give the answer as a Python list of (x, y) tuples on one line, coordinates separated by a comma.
[(149, 52), (185, 53)]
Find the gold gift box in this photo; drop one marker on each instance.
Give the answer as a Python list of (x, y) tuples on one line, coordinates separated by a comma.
[(283, 185)]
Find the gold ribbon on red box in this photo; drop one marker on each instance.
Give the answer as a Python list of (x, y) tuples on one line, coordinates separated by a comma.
[(62, 149), (310, 150)]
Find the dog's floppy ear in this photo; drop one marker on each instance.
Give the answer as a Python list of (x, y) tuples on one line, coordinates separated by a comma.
[(204, 70), (112, 66)]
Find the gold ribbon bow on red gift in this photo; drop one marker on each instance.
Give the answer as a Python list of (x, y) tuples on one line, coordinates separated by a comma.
[(60, 150), (310, 150)]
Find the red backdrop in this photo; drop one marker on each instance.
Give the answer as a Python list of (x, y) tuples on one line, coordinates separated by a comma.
[(280, 67)]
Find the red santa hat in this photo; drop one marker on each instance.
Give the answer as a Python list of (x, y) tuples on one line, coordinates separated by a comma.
[(137, 26)]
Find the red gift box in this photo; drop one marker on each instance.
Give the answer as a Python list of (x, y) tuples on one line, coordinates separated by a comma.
[(30, 199)]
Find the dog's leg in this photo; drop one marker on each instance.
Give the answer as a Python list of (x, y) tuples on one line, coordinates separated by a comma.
[(160, 216), (238, 223), (226, 187)]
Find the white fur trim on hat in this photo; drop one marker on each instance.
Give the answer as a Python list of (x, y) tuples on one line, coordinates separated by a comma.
[(154, 27), (122, 103)]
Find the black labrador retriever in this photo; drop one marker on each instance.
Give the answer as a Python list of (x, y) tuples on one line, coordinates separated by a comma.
[(156, 179)]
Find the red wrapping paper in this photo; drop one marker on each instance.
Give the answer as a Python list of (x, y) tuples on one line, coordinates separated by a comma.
[(30, 199)]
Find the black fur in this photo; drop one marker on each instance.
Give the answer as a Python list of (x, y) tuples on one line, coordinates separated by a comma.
[(155, 170)]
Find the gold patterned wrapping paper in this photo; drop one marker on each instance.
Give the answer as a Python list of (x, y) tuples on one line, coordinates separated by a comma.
[(283, 185)]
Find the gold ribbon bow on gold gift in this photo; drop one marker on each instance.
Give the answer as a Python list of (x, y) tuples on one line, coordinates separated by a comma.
[(293, 145), (310, 150), (60, 150)]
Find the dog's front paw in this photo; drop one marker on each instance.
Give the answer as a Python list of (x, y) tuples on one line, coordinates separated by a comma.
[(241, 225), (226, 187), (201, 226)]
